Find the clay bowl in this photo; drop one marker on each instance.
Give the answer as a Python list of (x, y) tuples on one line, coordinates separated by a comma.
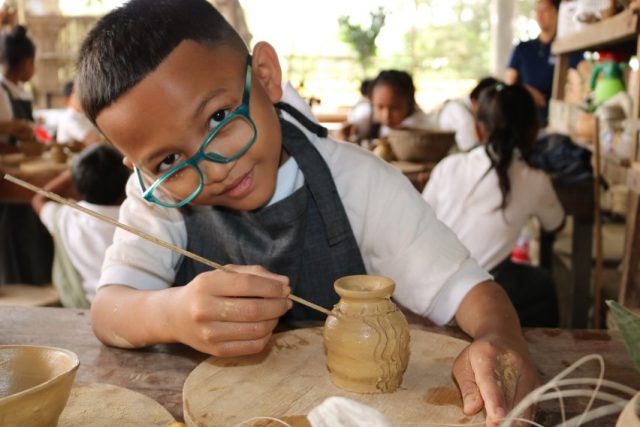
[(35, 384), (421, 145), (31, 149)]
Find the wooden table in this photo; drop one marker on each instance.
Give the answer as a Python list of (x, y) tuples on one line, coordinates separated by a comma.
[(159, 372), (37, 171)]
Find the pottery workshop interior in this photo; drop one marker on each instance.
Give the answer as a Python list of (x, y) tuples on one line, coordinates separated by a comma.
[(292, 213)]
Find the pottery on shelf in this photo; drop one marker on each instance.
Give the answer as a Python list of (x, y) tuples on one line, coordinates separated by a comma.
[(366, 337)]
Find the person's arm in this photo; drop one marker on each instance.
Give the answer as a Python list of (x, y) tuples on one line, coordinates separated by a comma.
[(20, 129), (219, 313), (495, 371), (61, 184), (511, 76)]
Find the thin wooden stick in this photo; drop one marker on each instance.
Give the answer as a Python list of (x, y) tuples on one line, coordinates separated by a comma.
[(142, 234)]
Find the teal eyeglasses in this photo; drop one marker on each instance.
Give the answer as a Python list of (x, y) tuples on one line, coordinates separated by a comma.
[(226, 142)]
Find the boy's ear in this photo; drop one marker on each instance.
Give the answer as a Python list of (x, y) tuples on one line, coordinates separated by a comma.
[(127, 162), (266, 67)]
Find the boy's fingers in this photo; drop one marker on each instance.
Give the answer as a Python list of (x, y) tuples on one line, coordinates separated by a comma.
[(491, 391), (248, 285), (250, 309), (238, 348), (238, 331), (465, 378), (258, 270)]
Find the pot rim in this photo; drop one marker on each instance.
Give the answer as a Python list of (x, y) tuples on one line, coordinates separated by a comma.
[(363, 286)]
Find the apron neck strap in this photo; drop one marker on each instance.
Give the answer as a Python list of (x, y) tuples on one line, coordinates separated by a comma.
[(319, 130)]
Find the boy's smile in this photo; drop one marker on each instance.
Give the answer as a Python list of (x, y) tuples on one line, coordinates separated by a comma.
[(165, 118)]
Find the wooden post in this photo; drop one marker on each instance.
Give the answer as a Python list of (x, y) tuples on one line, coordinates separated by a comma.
[(597, 286)]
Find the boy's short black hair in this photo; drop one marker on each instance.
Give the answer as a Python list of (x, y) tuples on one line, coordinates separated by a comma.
[(67, 89), (99, 175), (131, 41), (16, 47), (482, 85)]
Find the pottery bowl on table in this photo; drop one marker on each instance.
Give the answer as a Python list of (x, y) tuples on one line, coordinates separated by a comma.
[(421, 145), (31, 149), (35, 383)]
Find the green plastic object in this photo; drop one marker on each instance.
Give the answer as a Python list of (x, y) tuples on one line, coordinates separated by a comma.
[(629, 325), (611, 82)]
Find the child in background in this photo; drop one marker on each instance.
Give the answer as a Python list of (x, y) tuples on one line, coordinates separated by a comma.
[(74, 126), (209, 128), (17, 56), (394, 103), (99, 178), (359, 119), (487, 195), (460, 115)]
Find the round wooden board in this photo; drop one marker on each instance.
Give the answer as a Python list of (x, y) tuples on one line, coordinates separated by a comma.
[(290, 378), (106, 405)]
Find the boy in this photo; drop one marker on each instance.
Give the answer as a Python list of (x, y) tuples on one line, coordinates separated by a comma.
[(99, 177), (74, 127), (267, 188)]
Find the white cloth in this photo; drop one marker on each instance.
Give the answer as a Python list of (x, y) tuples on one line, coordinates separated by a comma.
[(83, 237), (73, 126), (339, 411), (471, 205), (361, 112), (6, 110), (397, 233), (417, 120), (17, 91), (456, 115)]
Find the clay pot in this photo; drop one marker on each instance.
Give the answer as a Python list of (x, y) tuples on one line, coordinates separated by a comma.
[(421, 145), (383, 150), (35, 386), (57, 153), (586, 126), (630, 416), (366, 336)]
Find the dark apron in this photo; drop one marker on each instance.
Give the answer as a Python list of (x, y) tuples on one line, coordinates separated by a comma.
[(26, 247), (306, 236)]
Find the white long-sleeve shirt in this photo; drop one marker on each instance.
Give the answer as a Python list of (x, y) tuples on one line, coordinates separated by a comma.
[(397, 232)]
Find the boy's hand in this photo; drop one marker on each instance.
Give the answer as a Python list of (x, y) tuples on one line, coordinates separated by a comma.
[(230, 314), (494, 372)]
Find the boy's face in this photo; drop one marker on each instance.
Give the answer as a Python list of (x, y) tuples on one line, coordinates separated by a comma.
[(165, 118), (389, 107)]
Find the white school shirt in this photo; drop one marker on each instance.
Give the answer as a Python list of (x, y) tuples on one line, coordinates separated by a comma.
[(467, 203), (456, 115), (397, 233), (73, 126), (6, 110), (83, 237)]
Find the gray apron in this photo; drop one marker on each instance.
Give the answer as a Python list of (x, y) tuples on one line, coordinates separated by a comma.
[(306, 236), (26, 248)]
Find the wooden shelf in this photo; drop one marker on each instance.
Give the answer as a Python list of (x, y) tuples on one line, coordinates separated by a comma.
[(617, 29), (609, 156)]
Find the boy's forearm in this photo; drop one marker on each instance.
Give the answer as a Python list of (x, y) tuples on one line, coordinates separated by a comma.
[(129, 318), (485, 310)]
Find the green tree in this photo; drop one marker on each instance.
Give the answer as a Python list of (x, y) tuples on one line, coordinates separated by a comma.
[(456, 49), (362, 39)]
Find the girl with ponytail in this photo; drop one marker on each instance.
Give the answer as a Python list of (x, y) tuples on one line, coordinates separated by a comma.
[(487, 195)]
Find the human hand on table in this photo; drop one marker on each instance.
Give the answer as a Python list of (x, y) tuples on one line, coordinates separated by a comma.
[(495, 372), (230, 314), (21, 129)]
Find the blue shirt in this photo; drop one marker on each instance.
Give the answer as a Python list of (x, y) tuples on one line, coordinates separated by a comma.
[(534, 63)]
